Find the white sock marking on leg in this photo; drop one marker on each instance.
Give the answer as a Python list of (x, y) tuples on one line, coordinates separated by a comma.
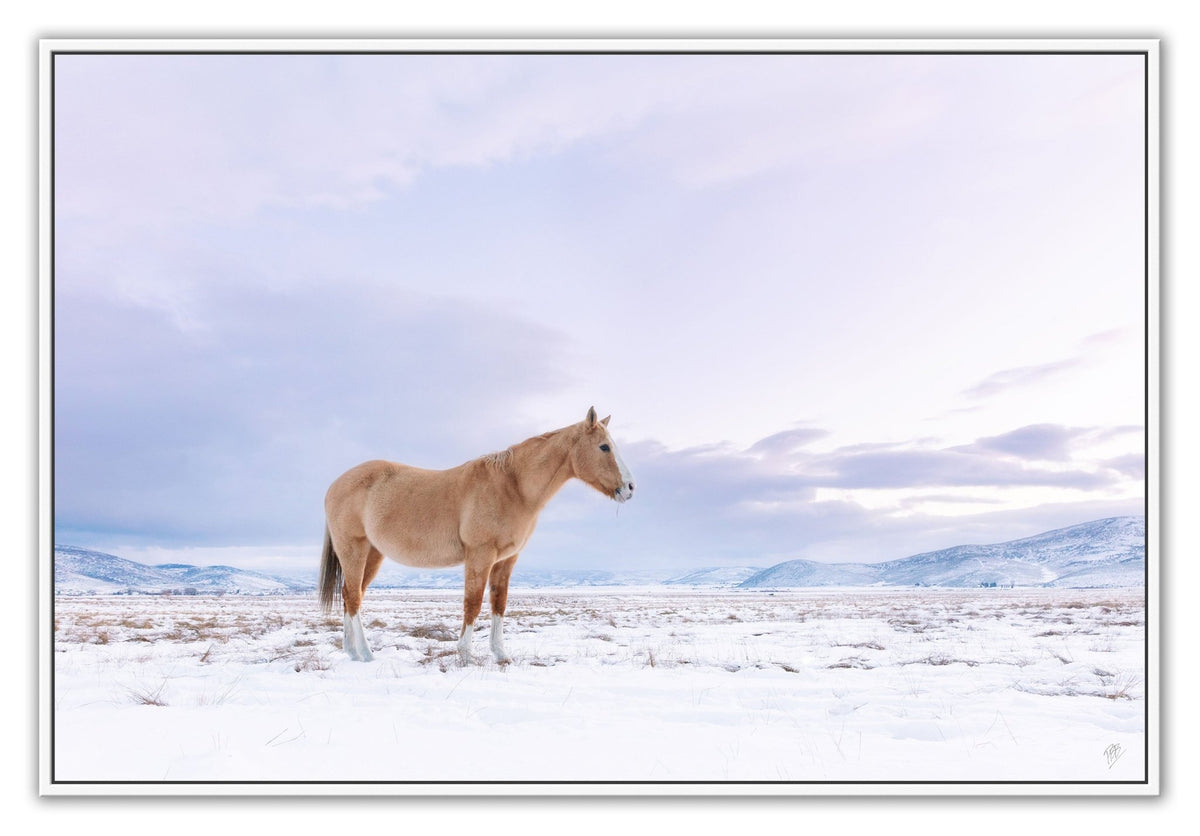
[(464, 643), (498, 638), (364, 649)]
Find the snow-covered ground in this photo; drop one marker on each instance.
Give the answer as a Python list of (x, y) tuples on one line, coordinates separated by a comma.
[(655, 684)]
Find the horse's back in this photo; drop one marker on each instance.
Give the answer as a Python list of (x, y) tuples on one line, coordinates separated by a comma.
[(409, 513), (349, 492)]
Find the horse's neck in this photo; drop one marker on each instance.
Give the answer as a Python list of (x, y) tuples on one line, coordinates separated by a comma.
[(542, 465)]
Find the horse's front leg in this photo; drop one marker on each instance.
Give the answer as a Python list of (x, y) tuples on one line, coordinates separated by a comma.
[(498, 584), (473, 586)]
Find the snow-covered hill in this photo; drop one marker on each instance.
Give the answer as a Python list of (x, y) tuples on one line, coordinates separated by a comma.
[(80, 571), (718, 576), (1103, 553)]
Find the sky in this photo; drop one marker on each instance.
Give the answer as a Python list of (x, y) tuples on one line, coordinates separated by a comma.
[(840, 307)]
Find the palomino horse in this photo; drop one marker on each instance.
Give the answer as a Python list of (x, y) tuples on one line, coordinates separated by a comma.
[(479, 514)]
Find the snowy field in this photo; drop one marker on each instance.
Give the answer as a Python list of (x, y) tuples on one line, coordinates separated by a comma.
[(633, 685)]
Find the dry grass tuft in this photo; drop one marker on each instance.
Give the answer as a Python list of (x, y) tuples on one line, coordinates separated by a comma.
[(146, 696), (438, 632), (940, 660), (312, 661), (1122, 688)]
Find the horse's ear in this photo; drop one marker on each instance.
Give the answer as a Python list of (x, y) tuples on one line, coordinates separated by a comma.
[(591, 417), (604, 423)]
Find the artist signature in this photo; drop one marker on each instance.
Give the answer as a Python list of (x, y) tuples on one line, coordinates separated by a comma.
[(1113, 754)]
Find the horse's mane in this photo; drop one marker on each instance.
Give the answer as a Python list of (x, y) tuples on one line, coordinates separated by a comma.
[(500, 460)]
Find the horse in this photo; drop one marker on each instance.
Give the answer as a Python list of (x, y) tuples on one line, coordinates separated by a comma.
[(479, 515)]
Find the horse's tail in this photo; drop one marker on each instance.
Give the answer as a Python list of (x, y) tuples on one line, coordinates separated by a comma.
[(330, 584)]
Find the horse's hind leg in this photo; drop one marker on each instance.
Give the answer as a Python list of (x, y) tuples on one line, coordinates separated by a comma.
[(498, 585), (374, 562), (360, 562)]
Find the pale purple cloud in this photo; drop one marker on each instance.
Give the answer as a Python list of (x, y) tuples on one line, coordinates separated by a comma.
[(1024, 376), (785, 442), (1045, 442), (232, 430), (1132, 466), (721, 505)]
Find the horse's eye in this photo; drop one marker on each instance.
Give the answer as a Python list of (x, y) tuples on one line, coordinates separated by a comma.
[(604, 447)]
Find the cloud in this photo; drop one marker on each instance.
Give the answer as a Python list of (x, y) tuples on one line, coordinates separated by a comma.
[(718, 504), (787, 441), (1091, 346), (147, 139), (161, 139), (940, 468), (1106, 339), (721, 506), (1132, 466), (1023, 376), (230, 431), (1050, 442), (1046, 442)]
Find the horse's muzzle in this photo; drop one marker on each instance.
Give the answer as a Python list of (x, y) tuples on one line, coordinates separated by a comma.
[(624, 493)]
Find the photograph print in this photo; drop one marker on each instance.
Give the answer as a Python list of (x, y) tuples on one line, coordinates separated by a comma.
[(643, 417)]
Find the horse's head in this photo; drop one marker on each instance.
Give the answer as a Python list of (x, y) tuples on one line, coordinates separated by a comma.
[(595, 460)]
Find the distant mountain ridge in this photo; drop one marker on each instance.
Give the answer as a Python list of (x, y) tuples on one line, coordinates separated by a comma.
[(79, 571), (1103, 553), (716, 576)]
